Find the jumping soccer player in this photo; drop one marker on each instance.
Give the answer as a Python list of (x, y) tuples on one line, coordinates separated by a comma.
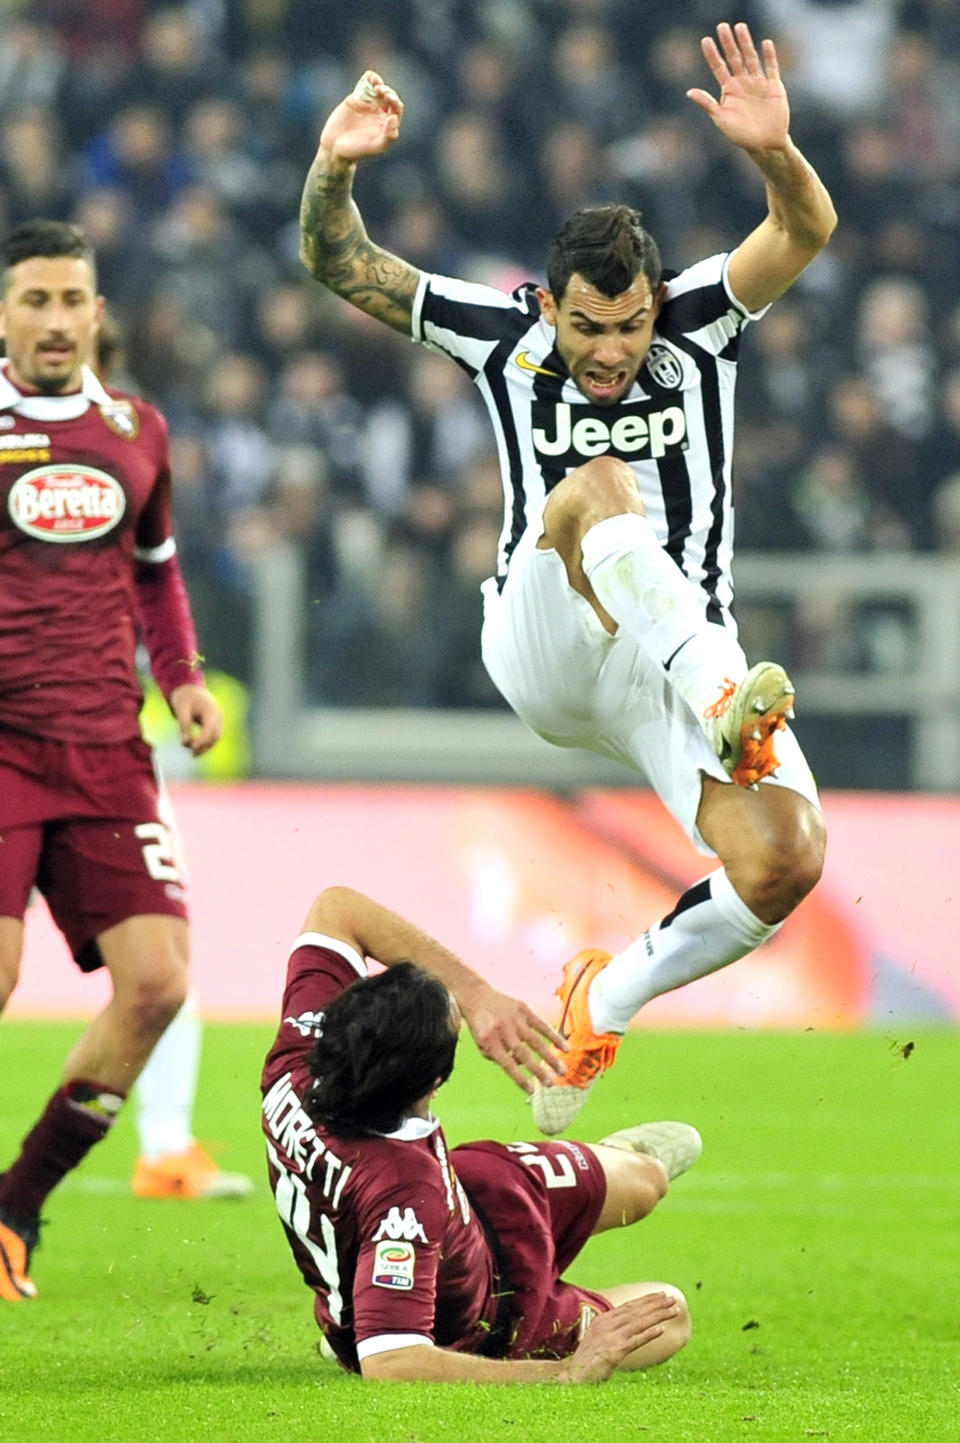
[(607, 624)]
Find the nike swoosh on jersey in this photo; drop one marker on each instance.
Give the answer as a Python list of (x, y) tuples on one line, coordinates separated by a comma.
[(525, 365)]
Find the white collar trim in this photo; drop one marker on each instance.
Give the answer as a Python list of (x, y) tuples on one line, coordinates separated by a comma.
[(52, 408), (412, 1129)]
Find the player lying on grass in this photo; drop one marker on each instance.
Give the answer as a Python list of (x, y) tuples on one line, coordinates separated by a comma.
[(436, 1265)]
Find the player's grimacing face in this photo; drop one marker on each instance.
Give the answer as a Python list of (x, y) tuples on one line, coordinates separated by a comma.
[(49, 318), (603, 340)]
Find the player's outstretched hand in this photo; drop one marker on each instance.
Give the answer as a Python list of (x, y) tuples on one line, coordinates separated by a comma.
[(199, 717), (752, 111), (612, 1336), (510, 1033), (366, 123)]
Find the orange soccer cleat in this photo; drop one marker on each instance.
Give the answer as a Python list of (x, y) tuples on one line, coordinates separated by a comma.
[(591, 1053), (190, 1175), (18, 1238)]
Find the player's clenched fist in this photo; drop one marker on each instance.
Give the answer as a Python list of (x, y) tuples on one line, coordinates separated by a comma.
[(366, 123)]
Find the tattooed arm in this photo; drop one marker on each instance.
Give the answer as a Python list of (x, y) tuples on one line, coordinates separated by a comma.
[(334, 245)]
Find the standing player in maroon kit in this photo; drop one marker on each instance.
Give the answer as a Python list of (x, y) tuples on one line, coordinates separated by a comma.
[(87, 558), (429, 1264)]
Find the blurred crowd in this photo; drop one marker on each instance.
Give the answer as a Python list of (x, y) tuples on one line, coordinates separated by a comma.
[(179, 137)]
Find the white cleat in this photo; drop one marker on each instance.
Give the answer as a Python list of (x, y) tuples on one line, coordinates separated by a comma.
[(555, 1107), (677, 1145)]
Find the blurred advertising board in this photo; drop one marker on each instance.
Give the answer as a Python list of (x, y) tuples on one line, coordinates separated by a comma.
[(516, 881)]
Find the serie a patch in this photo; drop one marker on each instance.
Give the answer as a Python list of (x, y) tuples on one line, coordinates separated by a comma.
[(393, 1265)]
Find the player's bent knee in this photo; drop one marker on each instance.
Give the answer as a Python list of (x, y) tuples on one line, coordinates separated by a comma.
[(774, 868), (601, 488), (679, 1330), (153, 1001), (789, 870), (676, 1331)]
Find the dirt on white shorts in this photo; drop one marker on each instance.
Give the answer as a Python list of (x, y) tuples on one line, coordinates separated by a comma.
[(576, 686)]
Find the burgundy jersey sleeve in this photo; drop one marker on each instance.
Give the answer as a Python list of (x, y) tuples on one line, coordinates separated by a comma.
[(319, 969), (163, 607), (166, 624), (400, 1233), (154, 529)]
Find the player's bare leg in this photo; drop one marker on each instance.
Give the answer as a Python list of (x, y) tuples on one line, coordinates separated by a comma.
[(637, 1180), (11, 948), (638, 1165), (147, 961), (771, 843)]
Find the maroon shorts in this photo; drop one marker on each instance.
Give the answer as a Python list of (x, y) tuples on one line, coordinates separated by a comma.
[(542, 1200), (88, 826)]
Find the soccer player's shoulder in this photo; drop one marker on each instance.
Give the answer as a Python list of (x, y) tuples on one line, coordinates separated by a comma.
[(140, 413), (133, 419)]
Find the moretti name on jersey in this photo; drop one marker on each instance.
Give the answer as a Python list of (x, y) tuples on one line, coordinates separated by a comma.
[(641, 429), (66, 503)]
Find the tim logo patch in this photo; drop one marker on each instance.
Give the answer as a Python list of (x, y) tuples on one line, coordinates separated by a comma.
[(393, 1265), (64, 503)]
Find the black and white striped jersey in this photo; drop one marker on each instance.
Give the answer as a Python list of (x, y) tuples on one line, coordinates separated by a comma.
[(674, 427)]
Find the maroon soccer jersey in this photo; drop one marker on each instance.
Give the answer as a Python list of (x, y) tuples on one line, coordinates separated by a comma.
[(382, 1229), (84, 502)]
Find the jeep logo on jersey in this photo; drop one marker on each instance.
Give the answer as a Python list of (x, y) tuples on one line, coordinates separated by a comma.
[(66, 503), (636, 432)]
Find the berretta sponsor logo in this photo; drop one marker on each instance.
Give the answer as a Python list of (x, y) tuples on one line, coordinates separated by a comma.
[(66, 503)]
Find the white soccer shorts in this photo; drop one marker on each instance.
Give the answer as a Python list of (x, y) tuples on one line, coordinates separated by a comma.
[(575, 685)]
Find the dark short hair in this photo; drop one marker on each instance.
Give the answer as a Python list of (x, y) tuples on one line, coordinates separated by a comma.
[(385, 1042), (608, 246), (45, 238)]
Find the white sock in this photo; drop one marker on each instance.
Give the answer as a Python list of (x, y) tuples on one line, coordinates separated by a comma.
[(648, 595), (167, 1086), (710, 927)]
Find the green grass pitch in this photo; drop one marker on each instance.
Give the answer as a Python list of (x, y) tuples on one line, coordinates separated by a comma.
[(818, 1241)]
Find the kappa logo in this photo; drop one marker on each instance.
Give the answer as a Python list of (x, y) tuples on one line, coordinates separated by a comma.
[(308, 1024), (65, 504), (395, 1226), (664, 367), (636, 432), (527, 365)]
